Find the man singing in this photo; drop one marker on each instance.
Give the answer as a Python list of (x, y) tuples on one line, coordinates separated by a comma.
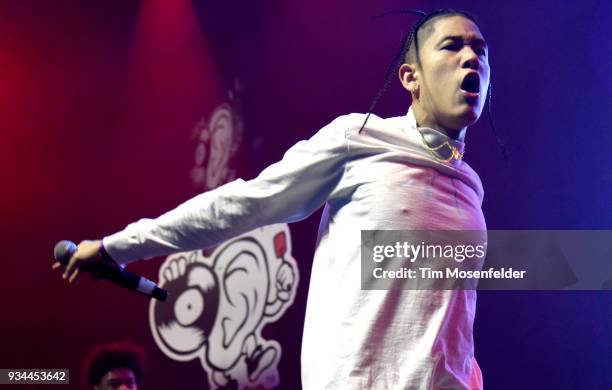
[(402, 173)]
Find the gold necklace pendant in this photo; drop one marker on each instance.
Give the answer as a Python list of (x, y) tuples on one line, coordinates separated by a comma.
[(455, 154)]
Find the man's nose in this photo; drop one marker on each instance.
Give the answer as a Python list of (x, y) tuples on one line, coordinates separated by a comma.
[(470, 59)]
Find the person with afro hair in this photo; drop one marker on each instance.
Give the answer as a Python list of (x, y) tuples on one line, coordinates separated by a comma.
[(113, 366)]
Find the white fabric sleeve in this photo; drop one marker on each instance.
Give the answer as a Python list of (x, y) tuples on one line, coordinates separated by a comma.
[(286, 191)]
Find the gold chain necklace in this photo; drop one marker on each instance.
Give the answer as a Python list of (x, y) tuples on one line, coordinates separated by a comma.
[(455, 153)]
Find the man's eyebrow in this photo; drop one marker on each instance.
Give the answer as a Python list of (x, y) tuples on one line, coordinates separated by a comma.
[(458, 38)]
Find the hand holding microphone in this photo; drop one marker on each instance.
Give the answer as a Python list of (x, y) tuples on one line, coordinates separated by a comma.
[(87, 255), (90, 256)]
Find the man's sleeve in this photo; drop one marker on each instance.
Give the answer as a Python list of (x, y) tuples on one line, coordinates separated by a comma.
[(286, 191)]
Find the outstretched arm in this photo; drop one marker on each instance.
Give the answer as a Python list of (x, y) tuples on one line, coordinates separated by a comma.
[(286, 191)]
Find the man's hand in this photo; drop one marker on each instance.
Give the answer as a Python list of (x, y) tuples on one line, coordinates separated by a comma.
[(87, 254)]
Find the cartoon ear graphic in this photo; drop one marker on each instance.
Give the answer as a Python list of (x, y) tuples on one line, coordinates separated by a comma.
[(244, 281), (243, 272), (221, 131)]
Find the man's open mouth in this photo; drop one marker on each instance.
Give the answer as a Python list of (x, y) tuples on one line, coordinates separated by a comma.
[(471, 84)]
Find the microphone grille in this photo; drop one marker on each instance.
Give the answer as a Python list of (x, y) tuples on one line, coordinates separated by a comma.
[(64, 250)]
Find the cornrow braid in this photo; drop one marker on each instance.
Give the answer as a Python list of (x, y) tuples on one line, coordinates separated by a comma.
[(404, 53), (501, 144), (406, 42)]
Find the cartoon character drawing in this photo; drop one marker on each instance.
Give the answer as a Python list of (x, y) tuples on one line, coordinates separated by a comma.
[(219, 302), (218, 141)]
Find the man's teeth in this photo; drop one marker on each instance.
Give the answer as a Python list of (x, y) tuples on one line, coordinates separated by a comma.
[(465, 90)]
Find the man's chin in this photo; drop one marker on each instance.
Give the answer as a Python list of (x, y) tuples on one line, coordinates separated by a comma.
[(469, 115)]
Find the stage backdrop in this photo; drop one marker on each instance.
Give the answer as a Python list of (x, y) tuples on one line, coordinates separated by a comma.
[(117, 110)]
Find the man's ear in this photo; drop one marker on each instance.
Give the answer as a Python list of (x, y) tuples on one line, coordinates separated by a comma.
[(409, 78)]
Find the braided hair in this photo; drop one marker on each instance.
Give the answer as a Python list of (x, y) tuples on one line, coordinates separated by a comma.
[(409, 51)]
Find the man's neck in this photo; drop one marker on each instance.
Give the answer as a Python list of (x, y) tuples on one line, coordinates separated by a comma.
[(425, 120)]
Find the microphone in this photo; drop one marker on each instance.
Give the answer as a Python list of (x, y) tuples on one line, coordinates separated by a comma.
[(64, 250)]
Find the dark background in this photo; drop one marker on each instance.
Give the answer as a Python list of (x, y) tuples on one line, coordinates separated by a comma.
[(97, 105)]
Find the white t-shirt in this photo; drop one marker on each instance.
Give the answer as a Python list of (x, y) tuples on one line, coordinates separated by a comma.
[(381, 178)]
